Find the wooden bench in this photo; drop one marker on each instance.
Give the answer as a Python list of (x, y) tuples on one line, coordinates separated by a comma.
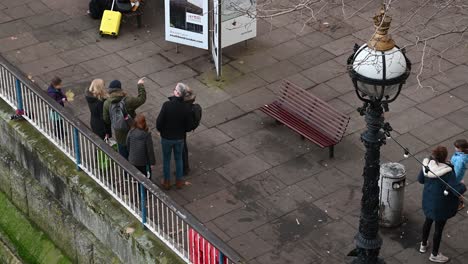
[(308, 115)]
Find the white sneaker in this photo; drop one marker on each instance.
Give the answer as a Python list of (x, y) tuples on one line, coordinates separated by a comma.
[(439, 258), (423, 248)]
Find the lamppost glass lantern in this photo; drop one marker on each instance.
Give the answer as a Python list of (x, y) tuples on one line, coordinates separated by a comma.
[(379, 68)]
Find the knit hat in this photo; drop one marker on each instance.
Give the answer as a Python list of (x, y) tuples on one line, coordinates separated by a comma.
[(115, 85)]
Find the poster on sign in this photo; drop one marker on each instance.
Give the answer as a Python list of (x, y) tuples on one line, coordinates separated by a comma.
[(238, 21), (187, 22)]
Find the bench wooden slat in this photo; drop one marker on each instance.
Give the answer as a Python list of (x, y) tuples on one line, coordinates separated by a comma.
[(298, 125), (308, 115)]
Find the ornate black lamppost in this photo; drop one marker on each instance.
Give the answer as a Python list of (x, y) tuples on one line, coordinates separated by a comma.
[(378, 70)]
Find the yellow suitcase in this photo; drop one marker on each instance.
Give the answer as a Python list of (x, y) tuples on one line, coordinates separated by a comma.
[(110, 23)]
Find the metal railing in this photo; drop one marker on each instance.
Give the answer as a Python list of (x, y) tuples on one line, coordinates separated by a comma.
[(171, 223)]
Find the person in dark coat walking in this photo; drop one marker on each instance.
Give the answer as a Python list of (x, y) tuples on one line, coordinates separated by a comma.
[(189, 99), (140, 146), (440, 200), (95, 96), (173, 121), (55, 92)]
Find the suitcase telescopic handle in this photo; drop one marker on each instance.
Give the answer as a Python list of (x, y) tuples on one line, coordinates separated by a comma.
[(112, 8)]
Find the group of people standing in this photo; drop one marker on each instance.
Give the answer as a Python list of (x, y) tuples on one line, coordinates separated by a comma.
[(442, 194), (111, 105)]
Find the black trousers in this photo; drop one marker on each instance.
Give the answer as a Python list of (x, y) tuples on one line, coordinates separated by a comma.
[(143, 170), (439, 227)]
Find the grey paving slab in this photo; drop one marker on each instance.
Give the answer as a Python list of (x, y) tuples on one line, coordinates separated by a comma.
[(256, 187), (392, 152), (122, 74), (412, 118), (104, 63), (172, 75), (216, 157), (341, 46), (341, 202), (290, 254), (324, 72), (4, 17), (334, 237), (341, 106), (288, 199), (185, 53), (300, 28), (13, 28), (243, 168), (297, 169), (69, 74), (250, 245), (327, 181), (442, 105), (31, 53), (203, 185), (139, 52), (46, 19), (214, 205), (241, 126), (272, 38), (242, 220), (254, 99), (221, 113), (149, 65), (82, 54), (298, 79), (277, 71), (43, 65), (38, 7), (324, 92), (315, 39), (342, 84), (17, 42), (311, 58), (431, 88), (243, 84), (292, 228), (454, 77), (19, 11), (461, 92), (460, 118), (209, 138), (287, 49), (253, 62), (436, 131)]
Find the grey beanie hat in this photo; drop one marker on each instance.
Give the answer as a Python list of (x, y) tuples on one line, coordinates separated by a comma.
[(115, 85)]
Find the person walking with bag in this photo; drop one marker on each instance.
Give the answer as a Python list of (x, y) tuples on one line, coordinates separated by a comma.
[(173, 121), (459, 161), (140, 146), (95, 96), (440, 199), (119, 111)]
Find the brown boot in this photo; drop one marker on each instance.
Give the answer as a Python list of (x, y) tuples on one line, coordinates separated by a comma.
[(180, 184), (166, 185)]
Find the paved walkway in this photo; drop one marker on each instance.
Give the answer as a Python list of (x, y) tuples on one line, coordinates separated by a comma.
[(271, 196)]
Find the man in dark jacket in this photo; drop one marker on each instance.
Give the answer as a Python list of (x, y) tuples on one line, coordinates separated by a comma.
[(116, 94), (173, 121)]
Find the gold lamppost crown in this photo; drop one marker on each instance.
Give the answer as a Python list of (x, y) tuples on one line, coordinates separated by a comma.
[(381, 40)]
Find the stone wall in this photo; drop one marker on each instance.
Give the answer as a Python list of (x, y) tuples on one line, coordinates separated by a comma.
[(86, 223)]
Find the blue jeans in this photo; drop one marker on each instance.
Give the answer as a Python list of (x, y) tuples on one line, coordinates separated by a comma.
[(123, 150), (167, 146)]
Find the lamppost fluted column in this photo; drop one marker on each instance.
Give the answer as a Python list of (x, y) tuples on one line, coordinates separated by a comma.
[(368, 242)]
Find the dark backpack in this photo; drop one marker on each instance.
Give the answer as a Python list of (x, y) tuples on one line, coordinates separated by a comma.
[(120, 119), (196, 116)]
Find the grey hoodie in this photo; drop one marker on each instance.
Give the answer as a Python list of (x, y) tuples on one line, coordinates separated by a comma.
[(140, 148)]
